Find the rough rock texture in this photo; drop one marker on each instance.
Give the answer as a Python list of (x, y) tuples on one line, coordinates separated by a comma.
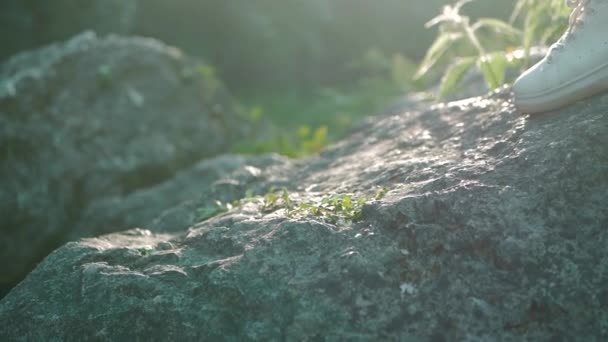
[(178, 203), (494, 229), (95, 118), (27, 24)]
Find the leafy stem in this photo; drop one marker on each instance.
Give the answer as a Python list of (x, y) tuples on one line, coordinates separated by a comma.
[(490, 45)]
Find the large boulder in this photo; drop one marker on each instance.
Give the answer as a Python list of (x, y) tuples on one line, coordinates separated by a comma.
[(492, 228), (94, 118)]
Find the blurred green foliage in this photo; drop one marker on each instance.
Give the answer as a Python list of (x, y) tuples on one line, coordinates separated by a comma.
[(305, 71), (296, 122), (304, 124), (274, 44)]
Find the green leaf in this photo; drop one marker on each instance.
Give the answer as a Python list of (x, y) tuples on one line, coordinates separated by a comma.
[(207, 71), (531, 25), (347, 202), (287, 202), (255, 114), (550, 33), (493, 66), (439, 47), (454, 74), (380, 193), (498, 26), (519, 6), (303, 131)]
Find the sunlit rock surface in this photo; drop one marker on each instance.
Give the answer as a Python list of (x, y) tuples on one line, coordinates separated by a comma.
[(493, 229), (95, 118)]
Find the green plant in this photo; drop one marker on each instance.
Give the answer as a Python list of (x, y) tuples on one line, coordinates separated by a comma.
[(337, 207), (333, 208), (489, 44), (274, 200), (543, 22), (292, 143), (381, 193), (297, 123), (145, 251)]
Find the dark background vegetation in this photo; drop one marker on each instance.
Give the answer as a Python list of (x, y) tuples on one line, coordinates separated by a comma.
[(309, 68)]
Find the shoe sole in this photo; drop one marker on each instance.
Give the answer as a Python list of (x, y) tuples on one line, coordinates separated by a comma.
[(589, 84)]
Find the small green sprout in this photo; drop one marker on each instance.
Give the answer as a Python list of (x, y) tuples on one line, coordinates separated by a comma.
[(380, 193), (334, 208), (287, 202), (145, 251)]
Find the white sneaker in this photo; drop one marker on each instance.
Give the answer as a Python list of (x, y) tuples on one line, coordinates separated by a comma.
[(575, 67)]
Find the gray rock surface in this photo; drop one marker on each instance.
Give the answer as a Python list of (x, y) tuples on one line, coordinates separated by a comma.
[(94, 118), (178, 203), (493, 229)]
